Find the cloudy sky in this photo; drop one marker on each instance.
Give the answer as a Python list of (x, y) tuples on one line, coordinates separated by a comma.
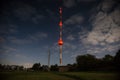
[(29, 28)]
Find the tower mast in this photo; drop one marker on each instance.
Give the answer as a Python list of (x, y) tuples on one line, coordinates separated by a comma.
[(60, 42), (49, 58)]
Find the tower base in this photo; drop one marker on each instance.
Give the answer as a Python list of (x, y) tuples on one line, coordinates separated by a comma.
[(63, 68)]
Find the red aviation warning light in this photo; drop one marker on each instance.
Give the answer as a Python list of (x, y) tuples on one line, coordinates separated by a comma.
[(60, 42), (60, 24), (60, 10)]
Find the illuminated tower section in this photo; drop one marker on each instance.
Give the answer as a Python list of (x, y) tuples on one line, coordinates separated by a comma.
[(60, 41)]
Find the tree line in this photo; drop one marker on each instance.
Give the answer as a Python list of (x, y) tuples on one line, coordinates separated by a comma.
[(85, 62), (11, 68), (89, 62)]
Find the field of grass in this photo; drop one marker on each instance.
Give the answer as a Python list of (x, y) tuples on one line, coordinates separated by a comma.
[(57, 76)]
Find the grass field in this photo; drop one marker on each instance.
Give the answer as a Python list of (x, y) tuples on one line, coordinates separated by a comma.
[(57, 76)]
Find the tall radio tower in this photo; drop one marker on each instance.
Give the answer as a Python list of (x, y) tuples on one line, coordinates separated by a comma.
[(60, 41)]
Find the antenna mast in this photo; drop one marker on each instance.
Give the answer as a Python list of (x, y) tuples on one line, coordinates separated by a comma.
[(60, 41), (49, 58)]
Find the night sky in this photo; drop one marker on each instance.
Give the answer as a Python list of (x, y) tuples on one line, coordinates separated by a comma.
[(29, 28)]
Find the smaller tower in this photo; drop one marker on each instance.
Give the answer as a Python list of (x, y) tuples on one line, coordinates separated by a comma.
[(49, 58)]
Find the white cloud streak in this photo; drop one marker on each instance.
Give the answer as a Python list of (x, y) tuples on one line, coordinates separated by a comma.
[(75, 19), (71, 37), (69, 3)]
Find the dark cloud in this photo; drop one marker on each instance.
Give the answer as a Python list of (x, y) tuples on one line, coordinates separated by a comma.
[(27, 12), (69, 3), (86, 0), (24, 11), (36, 37), (6, 29), (75, 19)]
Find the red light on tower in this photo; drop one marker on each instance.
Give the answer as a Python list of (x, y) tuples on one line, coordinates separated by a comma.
[(60, 10), (60, 24), (60, 42)]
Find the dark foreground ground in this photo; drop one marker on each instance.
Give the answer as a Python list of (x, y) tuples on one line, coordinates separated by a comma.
[(57, 76)]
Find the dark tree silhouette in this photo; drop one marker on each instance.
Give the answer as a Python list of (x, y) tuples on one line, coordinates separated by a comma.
[(117, 60), (85, 62), (90, 62), (107, 63), (36, 66), (44, 68), (54, 67), (117, 63), (108, 58)]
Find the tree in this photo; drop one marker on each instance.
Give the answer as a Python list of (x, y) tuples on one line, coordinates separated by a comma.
[(108, 58), (45, 68), (54, 67), (1, 67), (107, 62), (21, 67), (85, 62), (36, 66), (117, 60)]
